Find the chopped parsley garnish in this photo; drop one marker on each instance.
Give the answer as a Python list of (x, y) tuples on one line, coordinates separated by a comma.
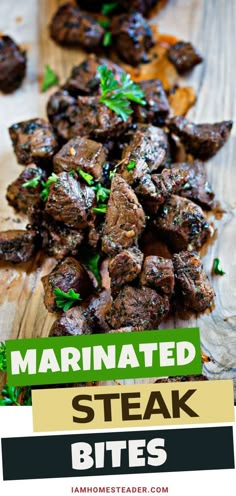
[(216, 267), (107, 8), (105, 23), (107, 39), (3, 360), (18, 396), (46, 186), (65, 300), (131, 165), (32, 183), (93, 265), (102, 194), (111, 174), (100, 209), (88, 178), (50, 78), (117, 96)]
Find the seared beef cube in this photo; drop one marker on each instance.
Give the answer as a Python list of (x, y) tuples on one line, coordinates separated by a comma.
[(149, 150), (192, 282), (68, 274), (12, 65), (57, 106), (184, 56), (201, 140), (80, 153), (125, 266), (143, 308), (132, 37), (94, 119), (33, 141), (21, 197), (125, 218), (182, 378), (17, 245), (84, 78), (154, 190), (158, 272), (197, 188), (61, 241), (71, 26), (157, 106), (182, 223), (70, 201), (72, 323), (87, 318), (98, 307)]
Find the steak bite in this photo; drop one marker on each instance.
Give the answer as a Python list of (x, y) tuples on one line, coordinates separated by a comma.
[(184, 56), (87, 318), (81, 153), (70, 201), (157, 106), (61, 241), (153, 190), (84, 78), (158, 272), (12, 65), (125, 266), (201, 140), (148, 148), (33, 141), (18, 245), (132, 37), (125, 218), (22, 197), (71, 323), (57, 107), (191, 281), (68, 274), (182, 224), (197, 188), (138, 307), (93, 119), (71, 26)]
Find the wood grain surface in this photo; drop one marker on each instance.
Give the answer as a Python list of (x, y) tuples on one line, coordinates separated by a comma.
[(210, 25)]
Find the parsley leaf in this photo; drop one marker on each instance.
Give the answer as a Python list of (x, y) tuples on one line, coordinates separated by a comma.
[(18, 396), (32, 183), (3, 360), (131, 165), (107, 8), (102, 194), (105, 23), (46, 186), (107, 39), (93, 265), (65, 300), (50, 78), (216, 267), (117, 96), (100, 209), (87, 177)]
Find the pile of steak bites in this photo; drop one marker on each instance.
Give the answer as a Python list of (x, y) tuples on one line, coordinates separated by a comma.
[(151, 225)]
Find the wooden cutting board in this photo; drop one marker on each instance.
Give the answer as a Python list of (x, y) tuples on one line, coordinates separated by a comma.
[(210, 25)]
